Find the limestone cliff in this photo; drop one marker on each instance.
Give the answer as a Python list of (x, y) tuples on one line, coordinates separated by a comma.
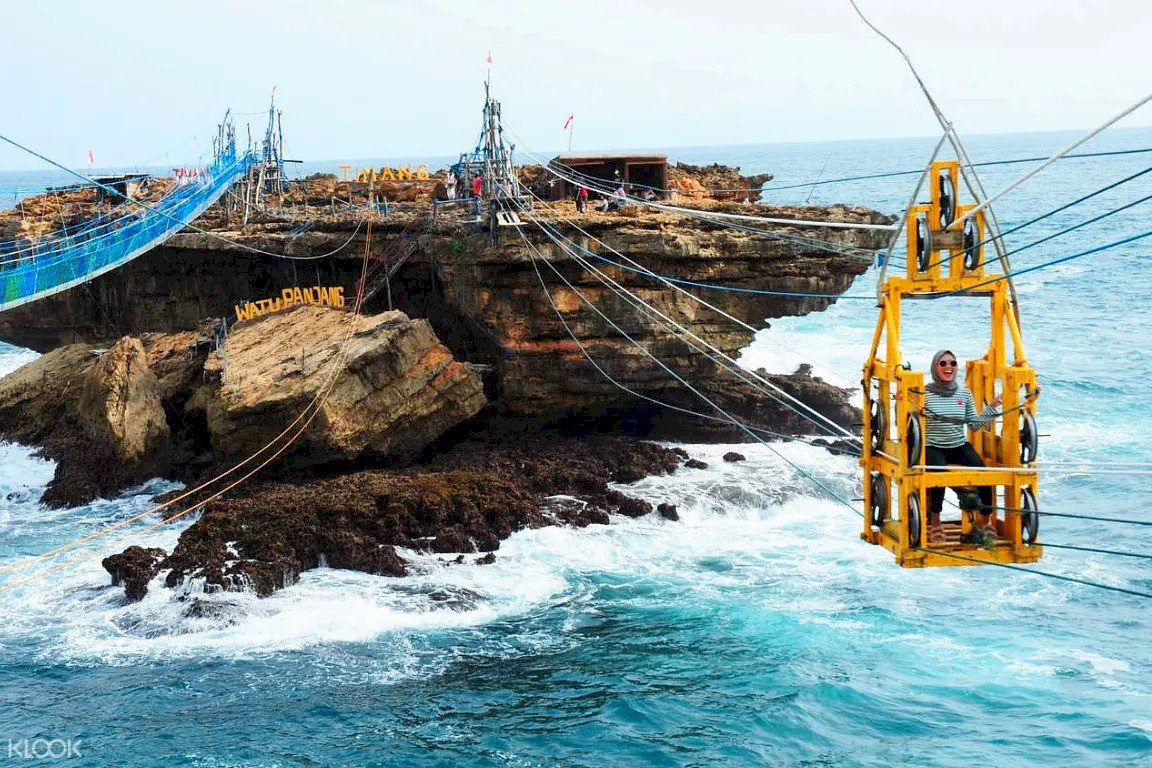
[(484, 300)]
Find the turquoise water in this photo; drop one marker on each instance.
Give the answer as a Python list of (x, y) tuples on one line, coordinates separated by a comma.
[(758, 630)]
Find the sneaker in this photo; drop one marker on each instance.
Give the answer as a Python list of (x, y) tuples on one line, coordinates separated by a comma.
[(979, 537)]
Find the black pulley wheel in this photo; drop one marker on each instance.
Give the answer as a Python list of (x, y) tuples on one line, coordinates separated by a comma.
[(971, 247), (879, 499), (1029, 438), (913, 513), (1029, 516), (915, 440), (923, 245), (878, 423), (947, 200)]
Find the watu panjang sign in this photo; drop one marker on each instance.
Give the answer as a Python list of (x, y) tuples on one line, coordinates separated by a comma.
[(319, 295)]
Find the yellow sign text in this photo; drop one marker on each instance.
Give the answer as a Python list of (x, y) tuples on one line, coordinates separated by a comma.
[(388, 173), (319, 295)]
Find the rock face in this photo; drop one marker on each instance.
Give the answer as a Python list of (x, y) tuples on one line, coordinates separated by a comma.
[(540, 339), (397, 388), (161, 406), (120, 402)]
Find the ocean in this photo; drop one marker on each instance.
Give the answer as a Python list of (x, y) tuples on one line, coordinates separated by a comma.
[(756, 630)]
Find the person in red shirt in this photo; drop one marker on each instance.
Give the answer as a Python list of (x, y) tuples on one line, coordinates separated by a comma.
[(477, 191), (581, 198)]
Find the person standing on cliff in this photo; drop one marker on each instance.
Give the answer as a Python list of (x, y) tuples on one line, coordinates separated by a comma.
[(581, 198), (450, 186), (477, 189)]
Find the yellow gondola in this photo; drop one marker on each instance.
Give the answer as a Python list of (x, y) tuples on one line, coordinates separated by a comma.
[(944, 257)]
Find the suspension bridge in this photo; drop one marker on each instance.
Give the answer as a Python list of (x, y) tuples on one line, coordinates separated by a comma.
[(34, 270)]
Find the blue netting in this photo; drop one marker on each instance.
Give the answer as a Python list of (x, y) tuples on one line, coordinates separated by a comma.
[(80, 256)]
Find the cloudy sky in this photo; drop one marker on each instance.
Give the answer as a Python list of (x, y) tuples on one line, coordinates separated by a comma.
[(144, 82)]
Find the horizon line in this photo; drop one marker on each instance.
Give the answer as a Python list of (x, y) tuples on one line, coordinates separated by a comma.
[(789, 142)]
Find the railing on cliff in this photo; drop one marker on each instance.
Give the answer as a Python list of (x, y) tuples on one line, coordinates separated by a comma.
[(77, 258)]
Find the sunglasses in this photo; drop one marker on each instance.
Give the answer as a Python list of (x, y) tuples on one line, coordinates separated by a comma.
[(947, 363)]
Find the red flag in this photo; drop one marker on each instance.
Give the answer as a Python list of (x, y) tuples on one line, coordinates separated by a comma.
[(568, 122), (489, 59), (91, 157)]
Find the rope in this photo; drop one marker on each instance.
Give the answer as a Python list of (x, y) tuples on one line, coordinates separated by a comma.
[(717, 355), (1065, 207), (535, 255), (816, 243), (1032, 470), (975, 165), (1045, 265), (1064, 231), (1082, 463), (1117, 552), (719, 214), (717, 287), (1054, 158), (985, 509), (1073, 516), (845, 433), (1046, 574), (640, 395)]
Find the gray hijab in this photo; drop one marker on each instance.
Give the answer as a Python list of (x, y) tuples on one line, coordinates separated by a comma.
[(939, 387)]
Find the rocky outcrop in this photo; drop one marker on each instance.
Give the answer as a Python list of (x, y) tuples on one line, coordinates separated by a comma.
[(466, 501), (120, 402), (97, 413), (539, 340), (383, 384), (716, 181), (346, 386), (133, 569)]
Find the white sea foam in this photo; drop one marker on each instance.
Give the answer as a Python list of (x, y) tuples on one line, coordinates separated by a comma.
[(1102, 665), (12, 358)]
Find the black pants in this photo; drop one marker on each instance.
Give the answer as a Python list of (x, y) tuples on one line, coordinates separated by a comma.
[(962, 454), (580, 202)]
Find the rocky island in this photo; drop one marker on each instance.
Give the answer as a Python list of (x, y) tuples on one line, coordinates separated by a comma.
[(457, 406)]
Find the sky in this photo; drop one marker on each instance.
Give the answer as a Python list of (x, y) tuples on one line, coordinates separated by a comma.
[(144, 83)]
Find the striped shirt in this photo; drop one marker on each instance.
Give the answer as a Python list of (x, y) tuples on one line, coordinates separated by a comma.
[(947, 417)]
